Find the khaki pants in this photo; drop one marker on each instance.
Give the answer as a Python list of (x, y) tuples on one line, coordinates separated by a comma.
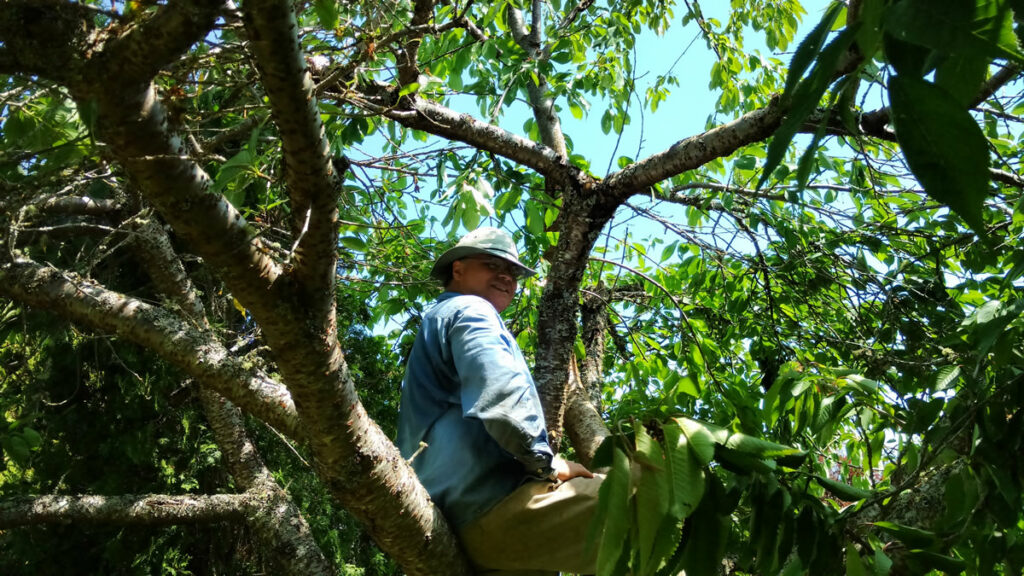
[(538, 530)]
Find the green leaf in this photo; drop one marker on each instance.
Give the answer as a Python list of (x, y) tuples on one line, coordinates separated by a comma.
[(410, 88), (746, 162), (687, 469), (854, 565), (706, 537), (945, 148), (844, 492), (652, 498), (946, 564), (756, 446), (805, 98), (946, 378), (913, 537), (17, 449), (534, 219), (31, 437), (810, 47), (353, 243), (327, 13), (699, 439), (614, 499), (970, 29)]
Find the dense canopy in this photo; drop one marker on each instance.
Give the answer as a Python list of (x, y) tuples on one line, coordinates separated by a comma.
[(801, 321)]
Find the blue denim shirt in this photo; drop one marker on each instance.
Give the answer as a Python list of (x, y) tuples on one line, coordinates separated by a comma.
[(468, 395)]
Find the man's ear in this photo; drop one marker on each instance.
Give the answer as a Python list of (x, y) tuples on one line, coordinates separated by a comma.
[(457, 270)]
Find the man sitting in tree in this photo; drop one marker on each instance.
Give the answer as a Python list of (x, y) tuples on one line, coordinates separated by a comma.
[(471, 423)]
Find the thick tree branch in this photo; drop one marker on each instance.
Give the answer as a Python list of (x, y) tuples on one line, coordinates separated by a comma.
[(278, 523), (44, 37), (408, 67), (313, 184), (692, 153), (125, 510), (143, 49), (358, 463), (81, 205), (583, 423), (133, 122), (164, 333), (165, 268)]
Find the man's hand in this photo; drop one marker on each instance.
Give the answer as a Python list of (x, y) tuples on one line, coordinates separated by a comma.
[(566, 470)]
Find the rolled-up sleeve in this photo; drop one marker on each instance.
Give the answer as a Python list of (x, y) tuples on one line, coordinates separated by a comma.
[(496, 386)]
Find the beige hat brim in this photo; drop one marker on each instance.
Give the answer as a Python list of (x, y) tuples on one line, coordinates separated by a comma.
[(439, 271)]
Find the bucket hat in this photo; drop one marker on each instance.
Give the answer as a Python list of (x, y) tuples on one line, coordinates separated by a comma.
[(484, 240)]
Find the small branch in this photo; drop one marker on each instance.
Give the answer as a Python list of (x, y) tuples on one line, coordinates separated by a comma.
[(682, 314)]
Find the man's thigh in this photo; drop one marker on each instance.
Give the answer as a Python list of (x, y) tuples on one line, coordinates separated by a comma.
[(539, 527)]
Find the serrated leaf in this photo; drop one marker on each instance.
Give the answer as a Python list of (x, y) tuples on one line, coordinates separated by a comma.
[(974, 29), (810, 47), (946, 377), (652, 498), (844, 492), (17, 449), (614, 498), (758, 447), (912, 537), (805, 98), (944, 147), (31, 437), (687, 488), (353, 243), (700, 439)]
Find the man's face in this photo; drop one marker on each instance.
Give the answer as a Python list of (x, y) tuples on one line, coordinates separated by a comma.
[(488, 277)]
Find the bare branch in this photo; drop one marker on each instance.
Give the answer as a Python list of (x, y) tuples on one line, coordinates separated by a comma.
[(174, 340), (441, 121), (279, 524), (692, 152), (313, 184), (125, 510)]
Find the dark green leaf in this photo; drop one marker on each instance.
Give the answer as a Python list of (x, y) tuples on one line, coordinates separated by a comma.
[(913, 537), (947, 564), (17, 449), (327, 12), (31, 437), (652, 499), (687, 473), (971, 29), (844, 492), (810, 47), (614, 498), (854, 565), (353, 243), (805, 98), (944, 146)]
